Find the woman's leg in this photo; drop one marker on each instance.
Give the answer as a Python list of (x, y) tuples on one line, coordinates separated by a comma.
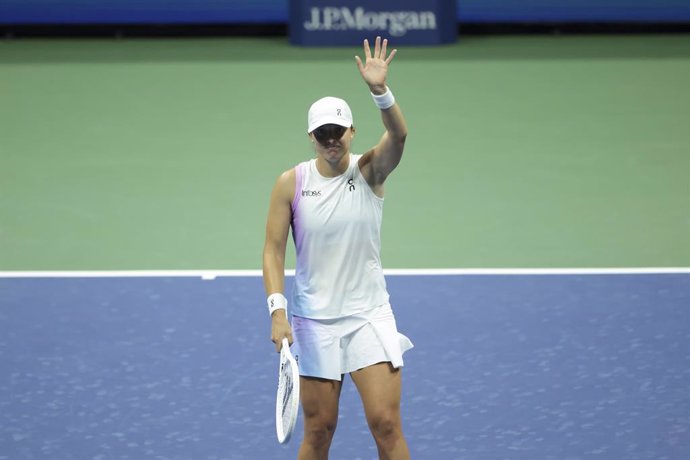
[(320, 398), (379, 387)]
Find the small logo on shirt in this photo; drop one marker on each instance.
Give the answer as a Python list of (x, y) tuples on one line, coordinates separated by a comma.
[(351, 184), (311, 192)]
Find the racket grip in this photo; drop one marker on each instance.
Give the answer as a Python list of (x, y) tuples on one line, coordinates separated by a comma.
[(286, 344)]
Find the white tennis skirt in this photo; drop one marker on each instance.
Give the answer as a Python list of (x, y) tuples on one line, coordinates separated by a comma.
[(330, 348)]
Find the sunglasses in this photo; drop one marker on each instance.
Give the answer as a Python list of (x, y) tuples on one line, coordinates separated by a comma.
[(325, 133)]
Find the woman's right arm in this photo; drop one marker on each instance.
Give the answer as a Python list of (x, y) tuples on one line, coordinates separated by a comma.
[(277, 229)]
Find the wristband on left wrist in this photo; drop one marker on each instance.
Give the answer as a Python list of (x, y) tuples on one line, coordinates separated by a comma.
[(384, 101)]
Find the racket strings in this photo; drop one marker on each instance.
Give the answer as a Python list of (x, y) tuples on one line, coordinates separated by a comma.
[(287, 398), (285, 389)]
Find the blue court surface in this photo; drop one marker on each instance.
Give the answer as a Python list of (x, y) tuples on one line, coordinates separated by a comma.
[(511, 367)]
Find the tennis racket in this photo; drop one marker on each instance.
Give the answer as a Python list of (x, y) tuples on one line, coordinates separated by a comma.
[(287, 398)]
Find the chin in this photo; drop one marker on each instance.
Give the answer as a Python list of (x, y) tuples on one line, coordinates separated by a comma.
[(337, 155)]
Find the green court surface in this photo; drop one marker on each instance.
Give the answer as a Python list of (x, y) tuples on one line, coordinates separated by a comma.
[(549, 151)]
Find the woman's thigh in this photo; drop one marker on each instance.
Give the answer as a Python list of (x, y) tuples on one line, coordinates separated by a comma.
[(379, 386), (320, 399)]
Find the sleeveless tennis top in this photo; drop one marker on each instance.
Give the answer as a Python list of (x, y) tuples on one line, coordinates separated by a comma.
[(336, 226)]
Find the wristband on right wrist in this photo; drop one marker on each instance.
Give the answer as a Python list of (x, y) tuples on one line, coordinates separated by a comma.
[(275, 302)]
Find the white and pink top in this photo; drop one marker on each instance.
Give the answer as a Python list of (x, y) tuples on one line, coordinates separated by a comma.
[(336, 226)]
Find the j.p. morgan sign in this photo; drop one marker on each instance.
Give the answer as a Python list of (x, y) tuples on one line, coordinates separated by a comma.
[(324, 23)]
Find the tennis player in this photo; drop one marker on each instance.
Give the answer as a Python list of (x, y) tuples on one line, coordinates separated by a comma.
[(342, 322)]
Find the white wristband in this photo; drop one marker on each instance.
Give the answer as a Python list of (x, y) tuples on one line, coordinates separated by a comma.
[(275, 302), (384, 101)]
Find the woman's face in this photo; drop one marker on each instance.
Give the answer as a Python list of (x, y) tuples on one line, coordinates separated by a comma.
[(332, 142)]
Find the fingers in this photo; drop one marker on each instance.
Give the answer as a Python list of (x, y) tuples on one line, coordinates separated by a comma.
[(380, 50), (390, 57), (384, 45), (373, 68), (277, 340), (360, 66)]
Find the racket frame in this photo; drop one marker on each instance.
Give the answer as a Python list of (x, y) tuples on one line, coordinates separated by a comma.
[(285, 357)]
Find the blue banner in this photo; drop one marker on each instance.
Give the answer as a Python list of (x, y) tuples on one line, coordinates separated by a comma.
[(277, 11), (410, 22), (536, 11)]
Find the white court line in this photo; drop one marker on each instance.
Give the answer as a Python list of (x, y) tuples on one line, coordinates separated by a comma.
[(540, 271), (204, 274), (213, 274)]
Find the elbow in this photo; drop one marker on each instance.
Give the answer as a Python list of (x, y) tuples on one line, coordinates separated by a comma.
[(272, 255), (398, 134), (401, 137), (401, 132)]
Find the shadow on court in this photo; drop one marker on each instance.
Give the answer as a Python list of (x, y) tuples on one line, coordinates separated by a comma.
[(504, 367)]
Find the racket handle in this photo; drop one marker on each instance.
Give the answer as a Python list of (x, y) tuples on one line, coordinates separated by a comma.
[(286, 344)]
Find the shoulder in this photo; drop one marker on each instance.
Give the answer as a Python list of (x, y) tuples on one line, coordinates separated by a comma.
[(284, 187), (287, 176)]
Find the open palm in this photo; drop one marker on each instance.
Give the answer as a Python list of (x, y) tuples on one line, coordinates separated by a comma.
[(375, 67)]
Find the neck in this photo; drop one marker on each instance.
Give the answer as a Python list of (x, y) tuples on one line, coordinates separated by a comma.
[(328, 169)]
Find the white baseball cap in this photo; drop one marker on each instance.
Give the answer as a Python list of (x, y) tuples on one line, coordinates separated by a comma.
[(329, 110)]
